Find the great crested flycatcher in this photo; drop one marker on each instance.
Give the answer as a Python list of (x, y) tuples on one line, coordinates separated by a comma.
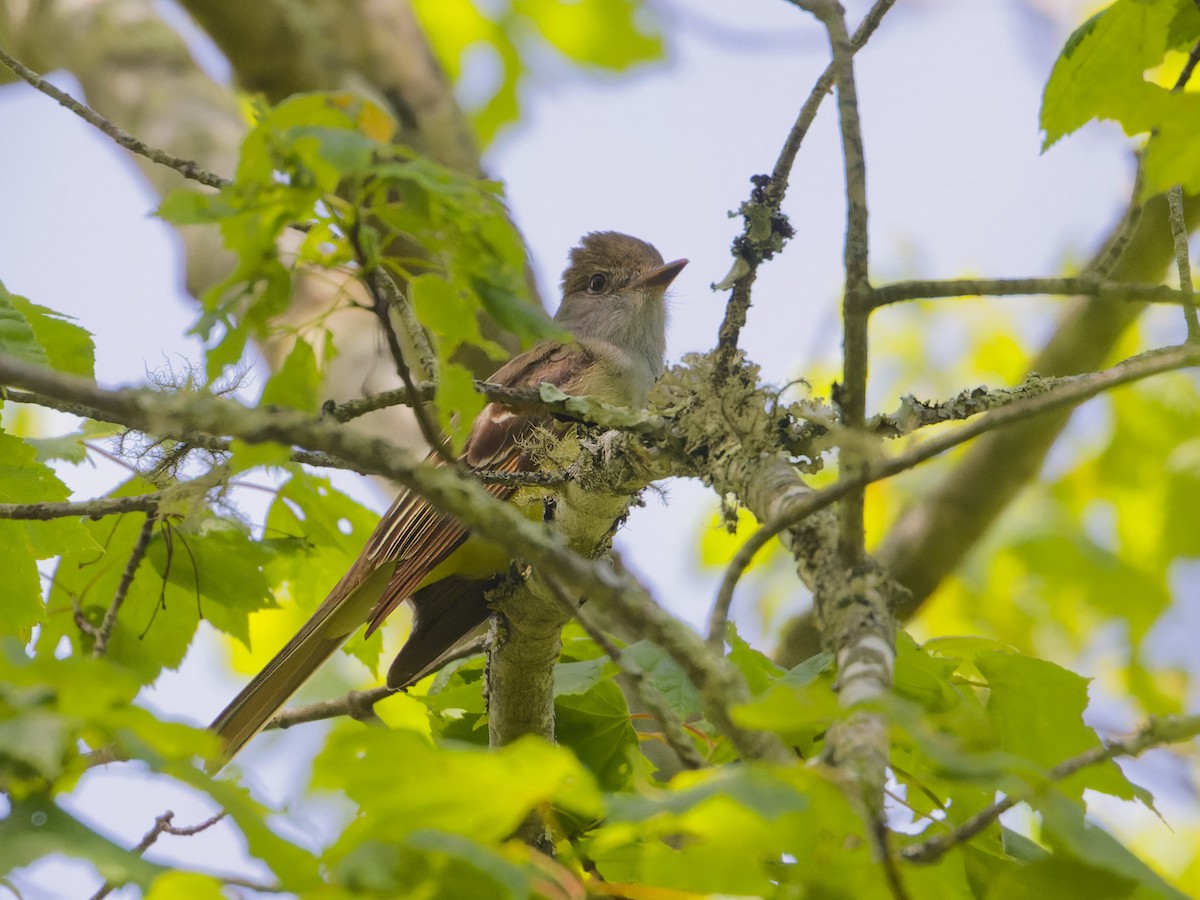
[(613, 305)]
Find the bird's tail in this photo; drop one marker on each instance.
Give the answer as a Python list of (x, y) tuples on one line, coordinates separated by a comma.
[(249, 711), (335, 620)]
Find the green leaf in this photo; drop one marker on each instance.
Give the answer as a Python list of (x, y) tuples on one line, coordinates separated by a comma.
[(597, 727), (192, 885), (757, 667), (728, 830), (580, 677), (67, 447), (244, 456), (184, 206), (1037, 710), (217, 567), (25, 480), (433, 864), (458, 689), (664, 674), (458, 401), (799, 706), (1066, 828), (297, 383), (1184, 30), (22, 607), (754, 786), (455, 27), (447, 311), (612, 34), (157, 619), (68, 347), (17, 337), (922, 678), (36, 741), (465, 791), (1100, 75), (605, 33), (49, 706), (36, 828)]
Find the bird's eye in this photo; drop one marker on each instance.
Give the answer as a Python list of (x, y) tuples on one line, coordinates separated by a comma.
[(597, 282)]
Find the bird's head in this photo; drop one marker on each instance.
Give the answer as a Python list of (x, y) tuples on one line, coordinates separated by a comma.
[(614, 290)]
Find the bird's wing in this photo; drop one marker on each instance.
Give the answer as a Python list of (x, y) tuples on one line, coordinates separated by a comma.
[(411, 534), (419, 537)]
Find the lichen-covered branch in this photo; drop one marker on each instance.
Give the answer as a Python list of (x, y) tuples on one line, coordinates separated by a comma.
[(1183, 262), (92, 509), (547, 551)]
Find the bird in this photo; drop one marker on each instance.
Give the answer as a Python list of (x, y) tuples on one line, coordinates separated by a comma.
[(613, 306)]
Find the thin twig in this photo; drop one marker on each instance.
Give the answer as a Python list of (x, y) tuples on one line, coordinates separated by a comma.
[(162, 825), (1155, 733), (1118, 242), (360, 406), (882, 837), (385, 296), (185, 167), (94, 509), (852, 396), (808, 112), (358, 705), (1016, 287), (718, 616), (135, 559), (1188, 68), (418, 339), (1183, 263), (765, 227)]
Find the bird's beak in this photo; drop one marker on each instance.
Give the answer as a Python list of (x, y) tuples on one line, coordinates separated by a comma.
[(660, 277)]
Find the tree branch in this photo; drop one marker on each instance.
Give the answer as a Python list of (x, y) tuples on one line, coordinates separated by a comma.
[(1155, 733), (1183, 263), (1067, 391), (185, 167), (93, 509), (765, 227), (1081, 286), (719, 682), (183, 436), (387, 298), (932, 536), (104, 632), (359, 705), (853, 602), (360, 406), (162, 825)]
